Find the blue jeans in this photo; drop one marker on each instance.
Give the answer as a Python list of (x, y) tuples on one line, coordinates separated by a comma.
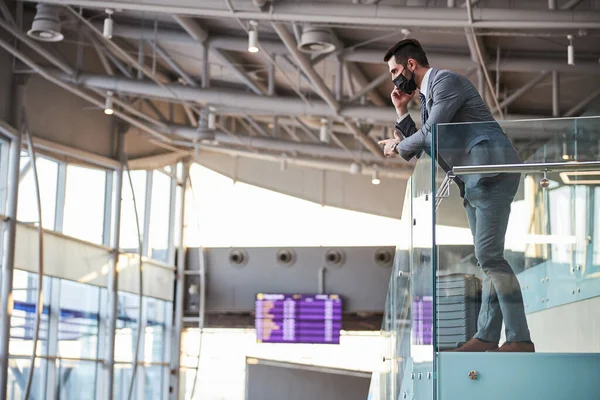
[(488, 209)]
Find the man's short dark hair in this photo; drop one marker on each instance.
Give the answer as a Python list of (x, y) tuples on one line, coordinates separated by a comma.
[(405, 49)]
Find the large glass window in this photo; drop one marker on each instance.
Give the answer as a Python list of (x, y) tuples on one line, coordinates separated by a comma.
[(22, 321), (156, 343), (22, 333), (76, 380), (129, 241), (84, 203), (159, 216), (47, 177), (79, 320), (127, 321)]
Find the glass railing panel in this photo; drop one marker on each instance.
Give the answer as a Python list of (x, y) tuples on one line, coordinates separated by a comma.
[(395, 329), (547, 197)]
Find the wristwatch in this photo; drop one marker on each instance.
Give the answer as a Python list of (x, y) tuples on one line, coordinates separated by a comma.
[(395, 148)]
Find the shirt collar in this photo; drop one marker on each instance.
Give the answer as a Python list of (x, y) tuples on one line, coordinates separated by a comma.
[(425, 83)]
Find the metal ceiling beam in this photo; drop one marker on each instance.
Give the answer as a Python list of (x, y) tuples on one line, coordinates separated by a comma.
[(200, 35), (371, 86), (283, 146), (583, 104), (355, 71), (224, 58), (93, 100), (524, 89), (172, 64), (329, 165), (364, 55), (512, 64), (324, 91), (570, 5), (379, 15)]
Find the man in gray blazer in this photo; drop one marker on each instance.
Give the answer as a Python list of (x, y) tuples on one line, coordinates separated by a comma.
[(449, 97)]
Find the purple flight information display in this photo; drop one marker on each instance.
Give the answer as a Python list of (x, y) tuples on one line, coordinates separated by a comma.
[(422, 320), (298, 318)]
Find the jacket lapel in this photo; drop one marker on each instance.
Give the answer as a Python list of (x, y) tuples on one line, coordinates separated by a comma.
[(432, 77)]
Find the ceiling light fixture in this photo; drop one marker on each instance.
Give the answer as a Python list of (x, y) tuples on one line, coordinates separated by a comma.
[(355, 168), (108, 106), (570, 51), (212, 119), (108, 24), (253, 37), (324, 136), (284, 163), (375, 179)]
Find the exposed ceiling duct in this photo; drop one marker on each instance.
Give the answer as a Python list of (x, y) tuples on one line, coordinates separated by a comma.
[(244, 102), (317, 40), (46, 24)]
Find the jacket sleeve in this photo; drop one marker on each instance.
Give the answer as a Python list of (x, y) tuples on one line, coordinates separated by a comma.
[(448, 98)]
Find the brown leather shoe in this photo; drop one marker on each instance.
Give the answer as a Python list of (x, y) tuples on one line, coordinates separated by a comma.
[(516, 347), (475, 345)]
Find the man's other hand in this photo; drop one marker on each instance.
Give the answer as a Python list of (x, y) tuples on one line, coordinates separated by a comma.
[(390, 144), (401, 100)]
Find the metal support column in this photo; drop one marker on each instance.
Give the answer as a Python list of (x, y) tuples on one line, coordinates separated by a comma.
[(271, 82), (113, 279), (339, 80), (481, 83), (147, 213), (179, 287), (8, 259), (61, 186), (172, 213), (555, 94)]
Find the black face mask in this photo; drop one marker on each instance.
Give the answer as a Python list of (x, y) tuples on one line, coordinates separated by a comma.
[(406, 85)]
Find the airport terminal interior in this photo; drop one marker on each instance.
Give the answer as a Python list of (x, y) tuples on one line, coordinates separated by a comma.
[(195, 204)]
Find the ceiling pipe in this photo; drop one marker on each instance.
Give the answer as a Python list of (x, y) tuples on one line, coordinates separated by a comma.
[(364, 55), (380, 15), (284, 146), (236, 101), (224, 97)]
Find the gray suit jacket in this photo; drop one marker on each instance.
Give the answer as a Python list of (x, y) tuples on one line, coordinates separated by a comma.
[(452, 98)]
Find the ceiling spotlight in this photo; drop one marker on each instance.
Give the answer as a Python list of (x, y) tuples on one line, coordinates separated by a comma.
[(375, 178), (253, 37), (108, 24), (324, 131), (46, 24), (284, 163), (108, 106), (570, 51), (212, 120), (355, 168)]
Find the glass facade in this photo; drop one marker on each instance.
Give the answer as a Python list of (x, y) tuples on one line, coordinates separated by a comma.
[(73, 318)]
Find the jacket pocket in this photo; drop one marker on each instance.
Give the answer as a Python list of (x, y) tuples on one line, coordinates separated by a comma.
[(476, 140)]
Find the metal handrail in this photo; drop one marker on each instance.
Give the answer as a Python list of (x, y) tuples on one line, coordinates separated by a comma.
[(518, 168)]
